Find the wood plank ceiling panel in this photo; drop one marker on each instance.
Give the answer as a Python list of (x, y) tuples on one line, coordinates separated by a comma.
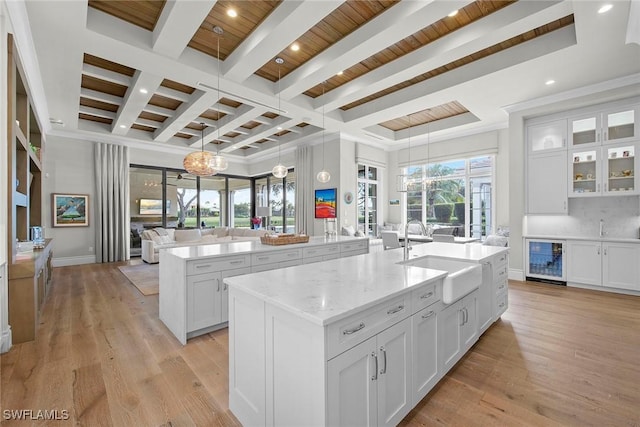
[(428, 115), (108, 65), (164, 102), (100, 105), (177, 86), (94, 118), (99, 85), (345, 19), (506, 44), (250, 14), (447, 25), (143, 13)]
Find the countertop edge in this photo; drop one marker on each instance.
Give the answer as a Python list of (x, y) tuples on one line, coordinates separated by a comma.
[(594, 238)]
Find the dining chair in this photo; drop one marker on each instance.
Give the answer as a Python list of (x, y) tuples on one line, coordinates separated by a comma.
[(390, 240), (443, 238)]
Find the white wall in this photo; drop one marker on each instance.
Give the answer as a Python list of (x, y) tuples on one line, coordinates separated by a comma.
[(348, 182), (332, 161), (5, 331), (69, 169)]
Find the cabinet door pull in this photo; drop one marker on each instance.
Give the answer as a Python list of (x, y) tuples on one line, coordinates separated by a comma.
[(224, 287), (353, 330), (395, 310), (598, 251), (429, 314), (466, 316), (375, 371), (605, 251), (501, 305), (383, 370), (462, 320), (427, 295), (236, 262), (203, 266), (218, 282), (501, 286), (262, 258)]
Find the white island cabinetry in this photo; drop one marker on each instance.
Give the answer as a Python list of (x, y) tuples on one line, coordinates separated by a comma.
[(350, 341), (193, 297)]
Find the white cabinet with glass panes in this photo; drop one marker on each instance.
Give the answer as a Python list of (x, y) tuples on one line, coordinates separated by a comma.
[(611, 126), (547, 136), (607, 170), (367, 202)]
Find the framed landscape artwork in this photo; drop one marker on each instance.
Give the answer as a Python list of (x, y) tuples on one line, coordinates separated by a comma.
[(326, 203), (70, 210)]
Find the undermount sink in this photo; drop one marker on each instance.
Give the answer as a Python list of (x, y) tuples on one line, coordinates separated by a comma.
[(463, 276)]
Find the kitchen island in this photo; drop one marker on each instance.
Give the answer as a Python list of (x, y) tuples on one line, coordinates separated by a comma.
[(357, 341), (192, 297)]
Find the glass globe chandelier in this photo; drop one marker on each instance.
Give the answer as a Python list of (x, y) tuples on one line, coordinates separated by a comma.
[(200, 163), (323, 176), (279, 170)]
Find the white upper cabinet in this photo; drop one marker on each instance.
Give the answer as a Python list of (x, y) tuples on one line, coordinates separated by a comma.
[(547, 136), (611, 126)]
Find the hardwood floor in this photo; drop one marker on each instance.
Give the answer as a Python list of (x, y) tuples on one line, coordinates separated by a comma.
[(559, 356)]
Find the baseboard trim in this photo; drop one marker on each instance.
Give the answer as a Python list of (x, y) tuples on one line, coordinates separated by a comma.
[(516, 275), (604, 289), (5, 341), (73, 260)]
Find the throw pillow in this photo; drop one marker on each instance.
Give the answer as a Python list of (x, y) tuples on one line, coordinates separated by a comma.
[(160, 231), (188, 235), (165, 240), (348, 230), (359, 233)]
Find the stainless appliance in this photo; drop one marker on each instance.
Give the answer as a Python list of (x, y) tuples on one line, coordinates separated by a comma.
[(37, 237)]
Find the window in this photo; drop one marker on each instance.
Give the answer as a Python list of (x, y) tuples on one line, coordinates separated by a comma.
[(368, 199), (240, 202), (454, 193), (279, 195), (213, 201)]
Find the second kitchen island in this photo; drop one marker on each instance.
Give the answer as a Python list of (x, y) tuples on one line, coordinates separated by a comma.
[(354, 341)]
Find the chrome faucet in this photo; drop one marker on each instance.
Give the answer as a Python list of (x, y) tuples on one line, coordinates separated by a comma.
[(407, 248)]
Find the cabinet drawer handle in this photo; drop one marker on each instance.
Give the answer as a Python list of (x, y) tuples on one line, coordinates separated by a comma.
[(237, 262), (262, 258), (353, 330), (375, 371), (427, 295), (501, 286), (203, 266), (383, 370), (501, 305), (311, 252), (218, 282), (429, 314), (501, 273), (395, 310), (503, 258)]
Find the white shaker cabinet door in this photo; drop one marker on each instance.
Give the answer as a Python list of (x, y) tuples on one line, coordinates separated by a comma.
[(621, 265), (203, 301), (352, 395), (394, 373), (547, 183), (425, 351), (584, 263)]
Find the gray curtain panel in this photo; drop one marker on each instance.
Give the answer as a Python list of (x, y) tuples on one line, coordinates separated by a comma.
[(304, 190), (112, 202)]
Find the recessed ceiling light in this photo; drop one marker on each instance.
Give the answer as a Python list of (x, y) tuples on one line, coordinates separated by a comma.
[(452, 14), (143, 90), (340, 73), (232, 13), (295, 47), (123, 126), (549, 82), (605, 8), (279, 128)]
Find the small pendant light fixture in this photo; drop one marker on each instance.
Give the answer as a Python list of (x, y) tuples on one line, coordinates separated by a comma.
[(279, 170), (200, 163), (219, 163), (323, 176)]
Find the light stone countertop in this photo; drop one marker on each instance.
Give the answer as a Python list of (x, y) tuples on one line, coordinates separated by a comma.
[(326, 292), (590, 238), (241, 247)]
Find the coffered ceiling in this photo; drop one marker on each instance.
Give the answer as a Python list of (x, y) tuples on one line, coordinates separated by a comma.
[(147, 72)]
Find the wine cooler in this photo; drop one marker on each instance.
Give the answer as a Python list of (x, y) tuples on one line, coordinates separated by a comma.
[(545, 261)]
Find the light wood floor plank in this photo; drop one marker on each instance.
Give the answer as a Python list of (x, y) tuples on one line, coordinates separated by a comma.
[(558, 356)]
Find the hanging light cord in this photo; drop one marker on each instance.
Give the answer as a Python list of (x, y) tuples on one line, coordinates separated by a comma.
[(323, 127), (218, 90), (279, 109)]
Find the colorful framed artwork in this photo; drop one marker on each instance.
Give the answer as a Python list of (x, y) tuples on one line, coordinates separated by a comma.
[(153, 206), (394, 202), (326, 203), (70, 210)]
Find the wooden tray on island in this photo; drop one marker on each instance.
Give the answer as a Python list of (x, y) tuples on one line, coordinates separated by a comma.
[(283, 239)]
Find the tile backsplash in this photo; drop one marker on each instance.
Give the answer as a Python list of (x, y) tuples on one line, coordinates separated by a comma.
[(621, 217)]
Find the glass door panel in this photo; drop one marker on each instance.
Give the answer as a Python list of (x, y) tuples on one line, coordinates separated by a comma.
[(620, 169), (545, 259), (212, 199), (620, 125), (182, 195), (584, 131), (547, 136), (584, 173), (240, 202), (290, 202)]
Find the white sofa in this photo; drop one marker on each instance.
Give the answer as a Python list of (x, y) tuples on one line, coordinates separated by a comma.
[(155, 239)]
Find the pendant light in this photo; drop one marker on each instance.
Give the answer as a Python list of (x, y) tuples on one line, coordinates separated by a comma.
[(219, 163), (279, 170), (404, 179), (200, 163), (323, 176)]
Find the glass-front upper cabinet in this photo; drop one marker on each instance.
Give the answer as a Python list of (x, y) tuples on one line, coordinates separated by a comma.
[(547, 136), (619, 170), (584, 178), (584, 130), (621, 125)]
